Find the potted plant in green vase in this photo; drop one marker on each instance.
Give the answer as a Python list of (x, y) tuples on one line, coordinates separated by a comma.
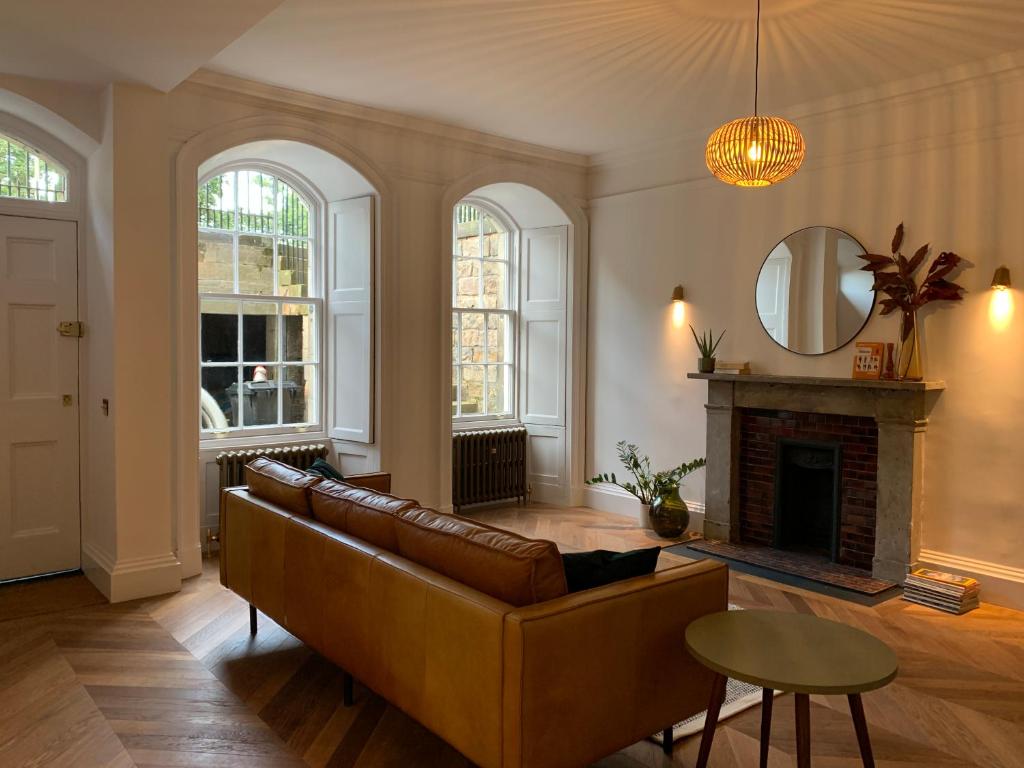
[(658, 492), (707, 345)]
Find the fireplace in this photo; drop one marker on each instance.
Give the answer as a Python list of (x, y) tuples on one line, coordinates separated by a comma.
[(879, 427), (808, 483), (807, 492)]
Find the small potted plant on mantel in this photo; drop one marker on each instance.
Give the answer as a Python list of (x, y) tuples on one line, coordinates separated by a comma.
[(661, 508), (707, 345)]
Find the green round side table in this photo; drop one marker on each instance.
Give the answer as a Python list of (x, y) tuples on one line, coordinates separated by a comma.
[(795, 653)]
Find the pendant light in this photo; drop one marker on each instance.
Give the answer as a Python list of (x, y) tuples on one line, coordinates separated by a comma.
[(755, 151)]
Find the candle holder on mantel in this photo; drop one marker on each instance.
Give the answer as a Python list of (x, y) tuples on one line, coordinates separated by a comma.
[(903, 293)]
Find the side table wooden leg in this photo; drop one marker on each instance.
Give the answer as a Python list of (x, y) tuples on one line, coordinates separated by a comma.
[(767, 699), (803, 730), (714, 707), (252, 619), (860, 724)]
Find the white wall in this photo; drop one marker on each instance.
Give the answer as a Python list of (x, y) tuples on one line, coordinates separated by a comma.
[(99, 533), (945, 159)]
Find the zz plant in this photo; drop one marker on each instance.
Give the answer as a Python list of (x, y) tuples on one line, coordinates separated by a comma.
[(650, 487)]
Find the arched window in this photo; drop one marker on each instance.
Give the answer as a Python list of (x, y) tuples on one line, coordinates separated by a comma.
[(483, 316), (260, 305), (26, 174)]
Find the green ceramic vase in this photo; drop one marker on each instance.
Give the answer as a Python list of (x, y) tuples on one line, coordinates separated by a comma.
[(670, 518)]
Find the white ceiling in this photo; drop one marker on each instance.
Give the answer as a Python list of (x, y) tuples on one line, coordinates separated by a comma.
[(596, 75), (583, 75), (156, 42)]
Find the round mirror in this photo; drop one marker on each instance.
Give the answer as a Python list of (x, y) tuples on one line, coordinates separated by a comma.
[(812, 296)]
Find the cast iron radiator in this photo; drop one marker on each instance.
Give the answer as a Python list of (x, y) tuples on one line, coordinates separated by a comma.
[(232, 463), (488, 466)]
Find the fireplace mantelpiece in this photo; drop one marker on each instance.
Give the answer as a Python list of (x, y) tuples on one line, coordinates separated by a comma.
[(900, 408)]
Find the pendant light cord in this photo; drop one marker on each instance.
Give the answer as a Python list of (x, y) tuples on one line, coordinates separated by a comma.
[(757, 54)]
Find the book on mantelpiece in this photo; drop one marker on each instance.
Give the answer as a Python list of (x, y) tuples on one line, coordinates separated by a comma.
[(732, 367)]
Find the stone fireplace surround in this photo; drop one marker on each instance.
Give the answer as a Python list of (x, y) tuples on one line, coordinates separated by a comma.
[(899, 411)]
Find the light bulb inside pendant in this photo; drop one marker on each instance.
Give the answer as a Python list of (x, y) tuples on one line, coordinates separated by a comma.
[(754, 152)]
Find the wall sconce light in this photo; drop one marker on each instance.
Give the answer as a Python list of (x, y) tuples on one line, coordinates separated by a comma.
[(678, 306), (1000, 309), (1000, 280)]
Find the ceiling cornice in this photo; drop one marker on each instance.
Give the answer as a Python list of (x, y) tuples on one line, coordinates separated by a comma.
[(433, 129)]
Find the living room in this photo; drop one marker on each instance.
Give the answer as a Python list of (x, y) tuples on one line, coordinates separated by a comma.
[(490, 258)]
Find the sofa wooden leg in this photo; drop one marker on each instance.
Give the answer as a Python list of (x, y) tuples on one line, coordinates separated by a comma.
[(666, 741), (346, 689), (252, 619)]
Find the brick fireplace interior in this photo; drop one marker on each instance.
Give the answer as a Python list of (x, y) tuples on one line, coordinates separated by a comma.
[(808, 483)]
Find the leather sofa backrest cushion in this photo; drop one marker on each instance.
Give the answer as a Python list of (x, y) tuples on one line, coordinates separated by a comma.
[(280, 484), (498, 563), (360, 512)]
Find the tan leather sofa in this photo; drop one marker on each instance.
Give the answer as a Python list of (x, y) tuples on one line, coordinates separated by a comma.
[(561, 682)]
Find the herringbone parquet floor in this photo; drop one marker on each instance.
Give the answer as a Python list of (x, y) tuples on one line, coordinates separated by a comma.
[(177, 681)]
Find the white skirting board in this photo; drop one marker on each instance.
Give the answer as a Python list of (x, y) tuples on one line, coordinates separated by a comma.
[(131, 579)]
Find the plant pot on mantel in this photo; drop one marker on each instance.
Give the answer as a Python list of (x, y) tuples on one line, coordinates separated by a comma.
[(705, 365)]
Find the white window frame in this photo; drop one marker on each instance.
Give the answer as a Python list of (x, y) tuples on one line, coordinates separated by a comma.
[(317, 239), (511, 312)]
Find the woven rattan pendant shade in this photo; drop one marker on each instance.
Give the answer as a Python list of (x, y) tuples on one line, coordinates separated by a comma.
[(755, 151)]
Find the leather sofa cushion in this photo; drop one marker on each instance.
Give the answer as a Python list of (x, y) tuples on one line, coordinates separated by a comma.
[(498, 563), (360, 512), (280, 484)]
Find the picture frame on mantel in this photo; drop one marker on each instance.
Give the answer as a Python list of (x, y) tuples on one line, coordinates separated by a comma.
[(868, 359)]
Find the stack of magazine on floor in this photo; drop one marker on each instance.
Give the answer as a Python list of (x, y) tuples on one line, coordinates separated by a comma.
[(945, 591)]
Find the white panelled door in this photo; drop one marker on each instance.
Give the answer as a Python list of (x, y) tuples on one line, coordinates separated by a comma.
[(39, 503)]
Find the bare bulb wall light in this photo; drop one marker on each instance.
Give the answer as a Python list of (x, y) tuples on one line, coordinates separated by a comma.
[(1000, 308), (678, 306), (755, 151)]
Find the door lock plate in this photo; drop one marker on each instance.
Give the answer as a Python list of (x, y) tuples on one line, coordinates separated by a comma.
[(73, 328), (67, 400)]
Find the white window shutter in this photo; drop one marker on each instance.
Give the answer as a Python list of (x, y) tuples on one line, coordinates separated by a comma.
[(350, 319), (542, 326)]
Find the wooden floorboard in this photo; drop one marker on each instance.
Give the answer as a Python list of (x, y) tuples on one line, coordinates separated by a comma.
[(178, 681)]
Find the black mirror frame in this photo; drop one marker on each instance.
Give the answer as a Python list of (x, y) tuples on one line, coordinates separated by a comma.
[(867, 319)]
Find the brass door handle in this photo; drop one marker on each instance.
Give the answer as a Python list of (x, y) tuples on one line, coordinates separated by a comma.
[(67, 400)]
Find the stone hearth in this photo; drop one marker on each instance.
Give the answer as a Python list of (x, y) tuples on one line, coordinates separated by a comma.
[(881, 425)]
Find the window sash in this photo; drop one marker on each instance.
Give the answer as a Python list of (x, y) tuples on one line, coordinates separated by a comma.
[(314, 300), (314, 274), (508, 363)]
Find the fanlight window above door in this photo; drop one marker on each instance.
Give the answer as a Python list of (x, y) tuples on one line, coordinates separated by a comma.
[(26, 174)]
